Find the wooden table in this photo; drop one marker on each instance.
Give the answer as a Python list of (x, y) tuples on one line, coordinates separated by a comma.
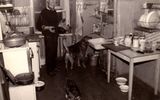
[(133, 57)]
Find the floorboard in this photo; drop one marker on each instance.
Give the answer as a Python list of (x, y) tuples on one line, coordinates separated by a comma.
[(92, 83)]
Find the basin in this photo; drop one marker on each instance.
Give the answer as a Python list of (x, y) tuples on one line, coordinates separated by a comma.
[(96, 43)]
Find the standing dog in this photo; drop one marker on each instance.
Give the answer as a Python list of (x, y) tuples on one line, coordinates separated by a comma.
[(75, 54)]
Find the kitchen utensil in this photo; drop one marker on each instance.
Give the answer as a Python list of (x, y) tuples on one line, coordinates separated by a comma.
[(152, 19), (124, 88), (128, 40), (142, 41), (142, 20), (20, 79), (135, 42), (121, 80), (39, 85), (149, 19), (14, 40), (148, 47)]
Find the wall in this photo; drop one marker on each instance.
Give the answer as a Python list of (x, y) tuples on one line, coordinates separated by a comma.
[(128, 12), (26, 5), (89, 20)]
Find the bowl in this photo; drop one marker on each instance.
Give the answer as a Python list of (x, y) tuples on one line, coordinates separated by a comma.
[(124, 88), (39, 85), (121, 80)]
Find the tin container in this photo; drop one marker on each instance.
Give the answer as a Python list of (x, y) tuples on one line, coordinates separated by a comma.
[(135, 42), (142, 41), (128, 40)]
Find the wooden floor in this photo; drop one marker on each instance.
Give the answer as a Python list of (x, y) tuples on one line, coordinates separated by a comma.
[(92, 84)]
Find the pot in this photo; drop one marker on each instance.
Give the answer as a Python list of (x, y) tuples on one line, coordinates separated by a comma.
[(14, 40)]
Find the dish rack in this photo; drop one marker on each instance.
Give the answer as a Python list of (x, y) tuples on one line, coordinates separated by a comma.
[(149, 21)]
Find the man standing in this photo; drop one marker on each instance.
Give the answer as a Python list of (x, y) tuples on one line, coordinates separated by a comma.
[(48, 23)]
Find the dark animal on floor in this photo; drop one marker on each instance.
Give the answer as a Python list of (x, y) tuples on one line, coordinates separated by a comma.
[(75, 54), (72, 91)]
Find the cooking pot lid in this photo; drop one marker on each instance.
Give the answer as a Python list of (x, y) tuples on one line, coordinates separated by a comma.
[(24, 78)]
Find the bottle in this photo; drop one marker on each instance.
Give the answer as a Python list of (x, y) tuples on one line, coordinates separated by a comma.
[(102, 5), (142, 41)]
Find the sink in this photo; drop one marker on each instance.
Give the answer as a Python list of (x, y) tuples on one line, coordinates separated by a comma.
[(96, 43)]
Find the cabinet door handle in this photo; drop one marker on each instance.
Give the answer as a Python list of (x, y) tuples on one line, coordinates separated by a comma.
[(31, 53)]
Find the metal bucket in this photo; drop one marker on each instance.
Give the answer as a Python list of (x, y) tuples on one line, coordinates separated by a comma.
[(94, 60)]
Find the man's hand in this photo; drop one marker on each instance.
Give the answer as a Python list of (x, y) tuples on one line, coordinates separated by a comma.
[(50, 28)]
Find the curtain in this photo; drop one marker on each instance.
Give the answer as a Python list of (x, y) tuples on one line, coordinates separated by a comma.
[(79, 19)]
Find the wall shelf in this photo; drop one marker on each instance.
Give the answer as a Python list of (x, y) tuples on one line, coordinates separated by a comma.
[(155, 6), (144, 29), (6, 6)]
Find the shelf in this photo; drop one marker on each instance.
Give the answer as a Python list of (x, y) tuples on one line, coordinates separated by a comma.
[(7, 6), (107, 11), (155, 6), (149, 30)]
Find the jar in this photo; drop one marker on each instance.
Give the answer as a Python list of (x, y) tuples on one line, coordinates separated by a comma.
[(142, 41), (128, 40), (135, 42), (148, 46)]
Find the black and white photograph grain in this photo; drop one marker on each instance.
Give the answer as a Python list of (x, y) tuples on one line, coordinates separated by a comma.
[(79, 49)]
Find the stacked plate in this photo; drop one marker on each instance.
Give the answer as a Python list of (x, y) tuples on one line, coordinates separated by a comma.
[(149, 20)]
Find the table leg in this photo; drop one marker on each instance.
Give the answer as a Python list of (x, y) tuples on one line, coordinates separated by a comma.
[(109, 65), (131, 70), (60, 46), (156, 77)]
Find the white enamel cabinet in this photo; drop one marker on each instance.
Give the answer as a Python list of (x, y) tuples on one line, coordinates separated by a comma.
[(24, 92), (18, 60)]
